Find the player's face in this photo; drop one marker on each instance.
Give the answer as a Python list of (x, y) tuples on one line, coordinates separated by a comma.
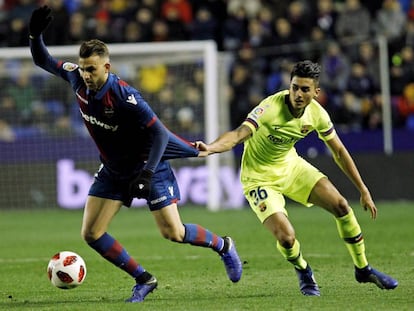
[(301, 92), (94, 71)]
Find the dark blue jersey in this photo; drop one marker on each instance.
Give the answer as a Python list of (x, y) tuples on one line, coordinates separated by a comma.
[(125, 129)]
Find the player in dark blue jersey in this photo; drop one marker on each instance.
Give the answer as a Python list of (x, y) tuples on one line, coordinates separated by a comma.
[(134, 147)]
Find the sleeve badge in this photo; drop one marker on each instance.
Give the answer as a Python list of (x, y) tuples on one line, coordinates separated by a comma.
[(69, 66)]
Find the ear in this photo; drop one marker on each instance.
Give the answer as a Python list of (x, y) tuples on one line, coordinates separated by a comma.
[(107, 67), (317, 91)]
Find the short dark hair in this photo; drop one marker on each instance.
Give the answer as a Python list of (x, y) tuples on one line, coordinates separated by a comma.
[(306, 69), (93, 47)]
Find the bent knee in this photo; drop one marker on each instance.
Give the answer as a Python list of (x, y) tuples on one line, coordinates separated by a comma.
[(172, 235), (286, 238), (287, 241), (341, 208), (90, 236)]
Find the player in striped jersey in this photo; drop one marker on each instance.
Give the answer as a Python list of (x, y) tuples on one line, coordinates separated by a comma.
[(271, 169), (134, 147)]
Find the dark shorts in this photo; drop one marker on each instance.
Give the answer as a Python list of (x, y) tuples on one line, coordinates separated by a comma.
[(164, 187)]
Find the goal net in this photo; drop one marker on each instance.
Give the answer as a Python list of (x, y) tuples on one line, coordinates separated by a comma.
[(48, 160)]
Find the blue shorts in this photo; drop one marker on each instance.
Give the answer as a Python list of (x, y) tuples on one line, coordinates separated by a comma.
[(110, 185)]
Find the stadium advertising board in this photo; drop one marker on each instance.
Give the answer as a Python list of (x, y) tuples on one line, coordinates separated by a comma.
[(73, 185), (49, 172)]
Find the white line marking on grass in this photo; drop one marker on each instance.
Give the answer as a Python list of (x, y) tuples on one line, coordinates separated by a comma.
[(157, 258), (320, 255), (22, 260)]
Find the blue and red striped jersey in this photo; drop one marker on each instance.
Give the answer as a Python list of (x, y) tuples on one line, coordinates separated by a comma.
[(125, 129)]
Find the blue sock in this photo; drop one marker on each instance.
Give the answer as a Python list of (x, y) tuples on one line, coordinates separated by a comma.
[(112, 250), (199, 236)]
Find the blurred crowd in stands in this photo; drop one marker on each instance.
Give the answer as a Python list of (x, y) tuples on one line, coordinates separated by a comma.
[(265, 38)]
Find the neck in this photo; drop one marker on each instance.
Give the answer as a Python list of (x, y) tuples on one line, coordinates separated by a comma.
[(297, 113), (98, 87)]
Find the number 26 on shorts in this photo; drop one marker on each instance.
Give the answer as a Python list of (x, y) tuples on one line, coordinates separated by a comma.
[(258, 195)]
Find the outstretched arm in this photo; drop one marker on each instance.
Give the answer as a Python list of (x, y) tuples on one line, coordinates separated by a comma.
[(344, 160), (39, 21), (225, 142)]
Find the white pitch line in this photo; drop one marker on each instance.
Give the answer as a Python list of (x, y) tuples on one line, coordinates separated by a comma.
[(187, 257), (22, 260)]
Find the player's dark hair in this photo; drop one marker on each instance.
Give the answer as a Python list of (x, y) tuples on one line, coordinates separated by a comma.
[(306, 69), (93, 47)]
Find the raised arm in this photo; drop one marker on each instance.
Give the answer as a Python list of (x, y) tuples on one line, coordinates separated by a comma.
[(39, 21), (225, 142)]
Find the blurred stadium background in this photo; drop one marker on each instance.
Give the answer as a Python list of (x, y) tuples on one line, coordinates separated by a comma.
[(202, 65)]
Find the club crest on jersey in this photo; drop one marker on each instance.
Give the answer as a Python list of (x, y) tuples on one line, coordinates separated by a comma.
[(305, 129), (69, 66)]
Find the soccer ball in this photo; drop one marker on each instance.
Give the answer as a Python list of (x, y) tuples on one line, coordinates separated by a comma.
[(66, 270)]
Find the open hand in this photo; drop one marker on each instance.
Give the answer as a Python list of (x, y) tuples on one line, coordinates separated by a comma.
[(368, 204)]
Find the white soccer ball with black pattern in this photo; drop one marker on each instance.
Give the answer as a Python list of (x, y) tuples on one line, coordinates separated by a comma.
[(66, 270)]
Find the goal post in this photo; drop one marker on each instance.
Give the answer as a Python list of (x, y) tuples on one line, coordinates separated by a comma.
[(180, 81), (212, 121)]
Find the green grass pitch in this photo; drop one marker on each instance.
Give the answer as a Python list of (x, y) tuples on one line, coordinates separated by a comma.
[(193, 278)]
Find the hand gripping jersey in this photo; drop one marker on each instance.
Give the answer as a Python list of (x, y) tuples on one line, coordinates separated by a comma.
[(275, 132), (125, 129)]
